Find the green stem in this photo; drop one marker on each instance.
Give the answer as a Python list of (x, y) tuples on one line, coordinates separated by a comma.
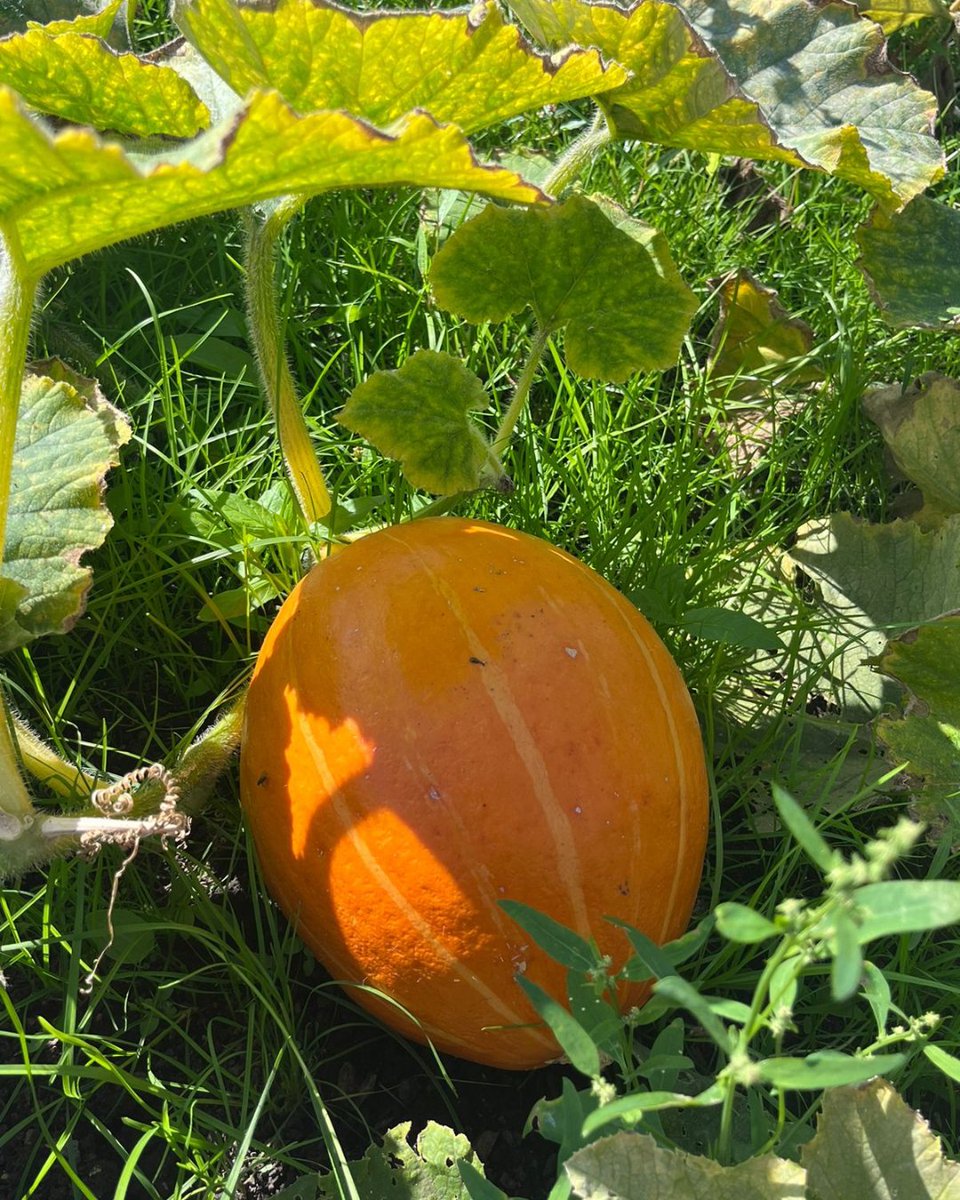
[(266, 331), (578, 156), (44, 764), (521, 391)]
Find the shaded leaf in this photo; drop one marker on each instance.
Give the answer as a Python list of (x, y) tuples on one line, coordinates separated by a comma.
[(465, 66), (785, 80), (67, 437), (740, 923), (755, 335), (870, 1146), (921, 428), (631, 1166), (632, 1108), (905, 906), (875, 581), (81, 79), (805, 833), (731, 627), (683, 994), (562, 944), (89, 16), (419, 415), (73, 193), (427, 1170), (847, 966), (949, 1064), (912, 263), (927, 735), (610, 286)]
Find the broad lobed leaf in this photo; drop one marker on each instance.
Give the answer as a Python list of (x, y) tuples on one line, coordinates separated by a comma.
[(608, 283), (73, 193), (67, 437), (80, 78), (466, 66), (765, 79)]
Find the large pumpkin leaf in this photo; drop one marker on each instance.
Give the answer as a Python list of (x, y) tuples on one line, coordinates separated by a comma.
[(608, 283), (419, 414), (912, 263), (80, 16), (763, 79), (876, 581), (927, 735), (631, 1166), (66, 439), (892, 15), (81, 79), (69, 194), (870, 1145), (465, 66), (921, 427)]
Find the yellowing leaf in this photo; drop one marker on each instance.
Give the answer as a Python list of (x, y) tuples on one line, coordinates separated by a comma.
[(464, 66), (80, 79), (895, 14), (72, 193), (755, 334), (100, 24), (870, 1145), (419, 415), (606, 280), (763, 79)]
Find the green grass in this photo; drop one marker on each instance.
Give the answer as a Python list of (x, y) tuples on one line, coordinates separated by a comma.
[(210, 1053)]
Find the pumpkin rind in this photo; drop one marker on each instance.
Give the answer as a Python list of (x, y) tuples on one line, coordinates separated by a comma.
[(448, 714)]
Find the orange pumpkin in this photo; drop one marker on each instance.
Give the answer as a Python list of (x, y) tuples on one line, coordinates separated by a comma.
[(448, 714)]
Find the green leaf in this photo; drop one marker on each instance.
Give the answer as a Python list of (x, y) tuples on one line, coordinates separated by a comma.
[(949, 1064), (125, 935), (79, 78), (921, 428), (847, 966), (631, 1166), (67, 437), (911, 261), (419, 415), (610, 285), (465, 66), (574, 1040), (633, 1108), (876, 992), (869, 1145), (756, 343), (789, 81), (730, 627), (651, 959), (684, 995), (428, 1170), (825, 1069), (926, 736), (875, 581), (739, 923), (802, 828), (905, 906), (562, 944), (95, 18), (477, 1186), (74, 193)]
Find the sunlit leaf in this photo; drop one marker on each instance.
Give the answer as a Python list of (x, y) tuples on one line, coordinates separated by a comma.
[(825, 1069), (419, 414), (869, 1145), (905, 906), (912, 263), (577, 1044), (921, 428), (610, 285), (79, 16), (427, 1170), (740, 923), (67, 437), (756, 336), (896, 14), (783, 79), (465, 65), (73, 193), (81, 79), (847, 965), (927, 735), (631, 1166)]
